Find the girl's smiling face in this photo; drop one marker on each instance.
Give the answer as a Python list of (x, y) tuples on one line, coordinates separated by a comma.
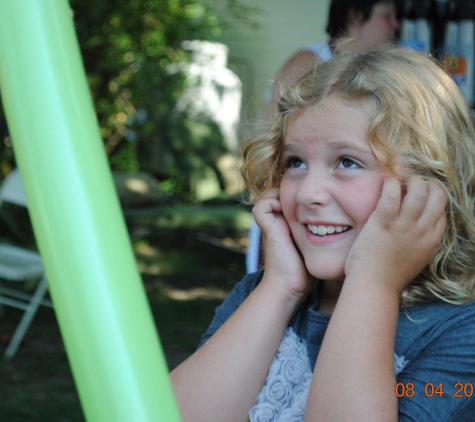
[(331, 184)]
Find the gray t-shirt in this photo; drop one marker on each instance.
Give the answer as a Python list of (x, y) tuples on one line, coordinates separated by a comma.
[(434, 360)]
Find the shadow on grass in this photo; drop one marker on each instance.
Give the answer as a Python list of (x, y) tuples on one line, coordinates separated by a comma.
[(185, 276)]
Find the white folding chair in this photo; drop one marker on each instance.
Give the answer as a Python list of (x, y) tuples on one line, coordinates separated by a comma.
[(254, 254), (18, 264)]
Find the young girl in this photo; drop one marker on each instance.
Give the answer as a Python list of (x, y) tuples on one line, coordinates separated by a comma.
[(364, 190)]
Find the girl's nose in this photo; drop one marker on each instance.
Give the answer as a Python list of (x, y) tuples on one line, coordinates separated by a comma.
[(314, 191)]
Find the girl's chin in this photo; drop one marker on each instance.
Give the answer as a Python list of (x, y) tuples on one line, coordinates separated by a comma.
[(327, 276), (326, 266)]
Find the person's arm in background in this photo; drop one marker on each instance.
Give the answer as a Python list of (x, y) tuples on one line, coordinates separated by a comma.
[(293, 69)]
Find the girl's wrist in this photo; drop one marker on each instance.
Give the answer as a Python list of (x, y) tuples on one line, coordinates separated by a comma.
[(278, 288), (390, 282), (379, 288)]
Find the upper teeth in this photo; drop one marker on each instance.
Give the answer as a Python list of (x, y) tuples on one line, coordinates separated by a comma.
[(324, 230)]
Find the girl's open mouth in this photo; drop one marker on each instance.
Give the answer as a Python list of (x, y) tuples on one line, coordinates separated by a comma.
[(326, 230)]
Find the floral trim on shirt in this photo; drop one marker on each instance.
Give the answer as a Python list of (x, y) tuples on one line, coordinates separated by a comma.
[(283, 397), (285, 392)]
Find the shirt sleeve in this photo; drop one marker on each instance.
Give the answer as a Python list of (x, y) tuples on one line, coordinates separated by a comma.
[(237, 296), (439, 383)]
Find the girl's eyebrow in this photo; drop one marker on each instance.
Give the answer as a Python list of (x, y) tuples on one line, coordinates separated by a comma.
[(348, 145), (292, 148), (336, 145)]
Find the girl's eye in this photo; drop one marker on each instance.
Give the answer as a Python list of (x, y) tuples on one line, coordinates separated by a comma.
[(295, 163), (348, 163)]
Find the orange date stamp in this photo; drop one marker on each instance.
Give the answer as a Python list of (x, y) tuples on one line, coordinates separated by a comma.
[(458, 390)]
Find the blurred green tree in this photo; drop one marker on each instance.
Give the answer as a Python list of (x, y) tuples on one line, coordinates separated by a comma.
[(128, 47)]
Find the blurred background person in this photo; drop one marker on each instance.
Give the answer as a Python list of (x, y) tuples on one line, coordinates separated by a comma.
[(369, 23)]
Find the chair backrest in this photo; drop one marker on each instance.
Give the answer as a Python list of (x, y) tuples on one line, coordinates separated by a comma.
[(12, 189)]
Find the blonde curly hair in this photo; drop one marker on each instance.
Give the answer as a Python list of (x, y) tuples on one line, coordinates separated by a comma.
[(421, 125)]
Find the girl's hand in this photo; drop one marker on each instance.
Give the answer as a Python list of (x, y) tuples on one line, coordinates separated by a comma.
[(283, 263), (402, 234)]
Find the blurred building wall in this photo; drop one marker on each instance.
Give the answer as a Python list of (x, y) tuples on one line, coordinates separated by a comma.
[(256, 55)]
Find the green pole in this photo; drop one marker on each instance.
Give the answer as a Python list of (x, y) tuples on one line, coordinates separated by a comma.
[(103, 313)]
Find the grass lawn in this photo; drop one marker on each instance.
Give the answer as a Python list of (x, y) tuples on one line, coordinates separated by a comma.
[(186, 274)]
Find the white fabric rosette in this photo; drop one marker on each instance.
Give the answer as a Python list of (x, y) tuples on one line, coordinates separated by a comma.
[(283, 397)]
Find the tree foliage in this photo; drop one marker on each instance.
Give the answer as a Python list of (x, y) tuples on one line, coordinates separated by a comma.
[(127, 48)]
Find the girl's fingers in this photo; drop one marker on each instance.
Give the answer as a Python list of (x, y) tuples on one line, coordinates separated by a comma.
[(272, 193), (267, 203), (424, 205), (441, 225), (420, 202), (436, 203), (388, 206), (266, 206), (268, 213), (415, 200)]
